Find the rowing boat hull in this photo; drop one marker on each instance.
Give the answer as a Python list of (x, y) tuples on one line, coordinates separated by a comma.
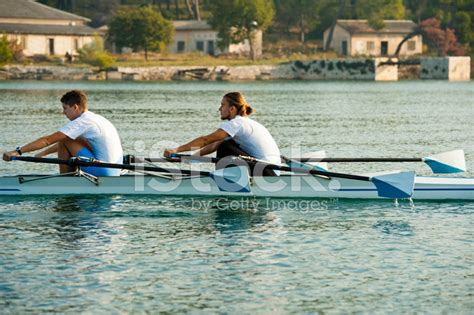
[(426, 188)]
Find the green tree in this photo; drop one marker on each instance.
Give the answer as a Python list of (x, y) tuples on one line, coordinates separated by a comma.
[(6, 54), (141, 29), (375, 11), (94, 54), (236, 20), (300, 14), (457, 15)]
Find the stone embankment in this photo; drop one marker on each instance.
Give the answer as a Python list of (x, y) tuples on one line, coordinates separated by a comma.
[(376, 69)]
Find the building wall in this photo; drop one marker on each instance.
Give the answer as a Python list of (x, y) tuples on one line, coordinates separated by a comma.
[(191, 40), (192, 37), (338, 37), (39, 44), (359, 44)]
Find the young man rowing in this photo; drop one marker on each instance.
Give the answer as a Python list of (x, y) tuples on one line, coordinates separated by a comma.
[(86, 135), (238, 135)]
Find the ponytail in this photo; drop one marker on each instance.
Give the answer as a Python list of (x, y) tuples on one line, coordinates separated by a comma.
[(237, 99)]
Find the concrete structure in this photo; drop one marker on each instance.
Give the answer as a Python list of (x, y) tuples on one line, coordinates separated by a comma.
[(357, 38), (446, 68), (198, 36), (337, 69), (42, 30)]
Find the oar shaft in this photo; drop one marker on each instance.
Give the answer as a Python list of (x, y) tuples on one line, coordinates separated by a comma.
[(133, 159), (78, 162), (253, 162), (358, 160)]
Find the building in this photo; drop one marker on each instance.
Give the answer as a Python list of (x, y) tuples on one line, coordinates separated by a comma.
[(42, 30), (193, 35), (358, 38)]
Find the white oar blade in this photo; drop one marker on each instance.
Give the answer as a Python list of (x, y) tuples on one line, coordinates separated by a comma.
[(232, 179), (447, 162), (319, 166), (395, 185)]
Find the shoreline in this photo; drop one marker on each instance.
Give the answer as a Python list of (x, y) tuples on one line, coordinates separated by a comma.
[(371, 69)]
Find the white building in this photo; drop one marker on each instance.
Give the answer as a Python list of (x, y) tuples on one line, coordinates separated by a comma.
[(358, 38), (42, 30), (193, 35)]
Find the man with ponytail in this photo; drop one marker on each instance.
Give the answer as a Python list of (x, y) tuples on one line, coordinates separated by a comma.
[(237, 135)]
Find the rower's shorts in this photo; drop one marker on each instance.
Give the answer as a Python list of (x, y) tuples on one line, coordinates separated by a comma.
[(96, 171)]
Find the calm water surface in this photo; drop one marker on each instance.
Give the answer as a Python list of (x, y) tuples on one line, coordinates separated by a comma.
[(113, 254)]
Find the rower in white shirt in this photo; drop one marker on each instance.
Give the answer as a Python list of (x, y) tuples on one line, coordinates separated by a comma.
[(237, 135), (86, 135)]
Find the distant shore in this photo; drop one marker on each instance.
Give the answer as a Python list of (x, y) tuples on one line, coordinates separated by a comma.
[(371, 69)]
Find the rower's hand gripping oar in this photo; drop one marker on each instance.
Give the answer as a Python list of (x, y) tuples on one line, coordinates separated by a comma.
[(232, 179), (392, 185), (442, 163)]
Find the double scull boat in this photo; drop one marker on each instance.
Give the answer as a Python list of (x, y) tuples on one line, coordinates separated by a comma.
[(236, 181)]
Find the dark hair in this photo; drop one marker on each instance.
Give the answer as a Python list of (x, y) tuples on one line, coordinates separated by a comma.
[(237, 99), (75, 97)]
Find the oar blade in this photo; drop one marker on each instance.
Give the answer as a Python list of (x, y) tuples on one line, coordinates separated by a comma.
[(447, 162), (232, 179), (395, 185)]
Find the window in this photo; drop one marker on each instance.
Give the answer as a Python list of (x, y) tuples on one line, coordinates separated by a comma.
[(344, 47), (383, 48), (210, 47), (200, 45), (76, 44), (51, 46), (181, 46), (411, 45), (370, 46)]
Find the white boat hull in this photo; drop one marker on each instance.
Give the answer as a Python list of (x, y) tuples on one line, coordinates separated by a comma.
[(426, 188)]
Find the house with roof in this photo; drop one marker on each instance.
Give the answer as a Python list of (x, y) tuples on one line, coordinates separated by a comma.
[(42, 30), (198, 36), (358, 38)]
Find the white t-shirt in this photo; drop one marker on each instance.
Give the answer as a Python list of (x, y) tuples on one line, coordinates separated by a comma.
[(252, 138), (100, 133)]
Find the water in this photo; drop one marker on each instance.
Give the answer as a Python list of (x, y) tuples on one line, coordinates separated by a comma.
[(111, 254)]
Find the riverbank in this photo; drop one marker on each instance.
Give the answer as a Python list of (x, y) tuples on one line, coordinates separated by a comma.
[(372, 69)]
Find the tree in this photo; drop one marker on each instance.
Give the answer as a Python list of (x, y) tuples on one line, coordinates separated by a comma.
[(301, 14), (237, 20), (6, 54), (376, 11), (444, 41), (94, 54), (141, 29)]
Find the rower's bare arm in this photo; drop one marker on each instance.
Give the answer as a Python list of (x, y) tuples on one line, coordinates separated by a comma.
[(51, 149), (43, 142), (37, 144), (210, 148), (199, 142)]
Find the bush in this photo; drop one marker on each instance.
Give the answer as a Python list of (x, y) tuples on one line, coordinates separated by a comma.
[(95, 55), (6, 54)]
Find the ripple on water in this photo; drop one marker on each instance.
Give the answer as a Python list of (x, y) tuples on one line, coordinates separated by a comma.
[(118, 254)]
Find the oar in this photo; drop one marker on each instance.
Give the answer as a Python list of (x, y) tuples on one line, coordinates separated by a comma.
[(131, 159), (442, 163), (232, 179), (392, 185)]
